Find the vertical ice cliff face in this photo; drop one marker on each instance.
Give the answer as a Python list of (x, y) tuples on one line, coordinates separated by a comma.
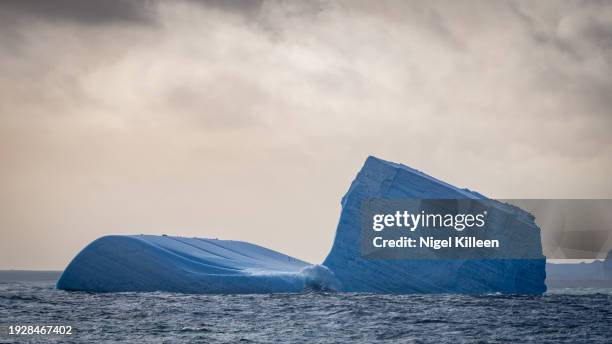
[(383, 179)]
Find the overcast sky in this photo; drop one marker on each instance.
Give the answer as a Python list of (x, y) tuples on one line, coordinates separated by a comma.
[(249, 119)]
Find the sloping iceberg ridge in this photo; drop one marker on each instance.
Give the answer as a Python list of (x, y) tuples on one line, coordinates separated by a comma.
[(188, 265), (195, 265)]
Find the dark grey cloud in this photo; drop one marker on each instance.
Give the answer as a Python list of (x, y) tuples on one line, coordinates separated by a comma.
[(239, 6), (98, 12), (85, 12)]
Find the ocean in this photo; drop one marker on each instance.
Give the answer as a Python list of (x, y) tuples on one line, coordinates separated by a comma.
[(560, 316)]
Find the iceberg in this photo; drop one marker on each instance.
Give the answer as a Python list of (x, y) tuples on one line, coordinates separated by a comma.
[(144, 263), (596, 274), (383, 179), (196, 265)]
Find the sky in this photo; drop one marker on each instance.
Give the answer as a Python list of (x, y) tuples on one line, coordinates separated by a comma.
[(249, 119)]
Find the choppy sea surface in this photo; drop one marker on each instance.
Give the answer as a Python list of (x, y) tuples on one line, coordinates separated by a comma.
[(564, 315)]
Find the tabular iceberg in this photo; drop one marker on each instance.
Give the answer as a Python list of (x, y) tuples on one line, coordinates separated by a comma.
[(194, 265), (596, 274), (382, 179)]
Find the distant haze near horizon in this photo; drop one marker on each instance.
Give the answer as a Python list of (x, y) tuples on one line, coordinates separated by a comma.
[(248, 120)]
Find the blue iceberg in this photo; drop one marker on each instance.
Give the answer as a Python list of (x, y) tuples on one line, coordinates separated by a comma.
[(188, 265), (196, 265), (382, 179)]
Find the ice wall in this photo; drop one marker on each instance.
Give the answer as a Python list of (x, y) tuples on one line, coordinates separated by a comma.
[(383, 179)]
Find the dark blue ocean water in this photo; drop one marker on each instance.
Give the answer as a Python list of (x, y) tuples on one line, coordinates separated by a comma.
[(570, 316)]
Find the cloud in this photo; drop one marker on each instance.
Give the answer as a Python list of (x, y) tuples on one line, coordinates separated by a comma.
[(205, 117), (82, 12)]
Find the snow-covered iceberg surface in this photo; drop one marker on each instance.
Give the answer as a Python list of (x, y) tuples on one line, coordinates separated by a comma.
[(188, 265), (387, 180), (193, 265)]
